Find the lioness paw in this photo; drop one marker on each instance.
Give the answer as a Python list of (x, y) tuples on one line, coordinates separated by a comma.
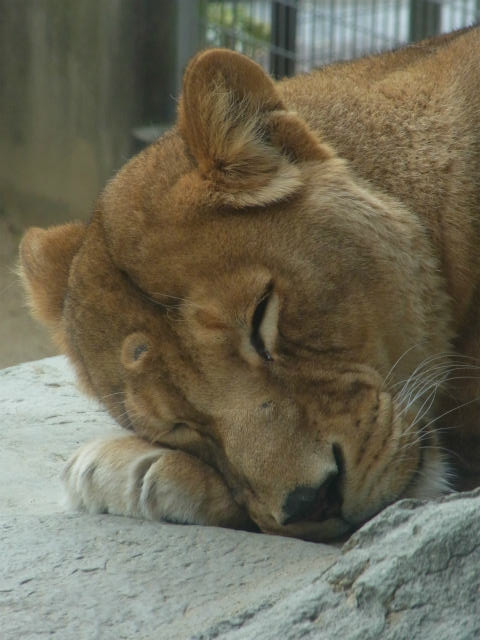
[(127, 476)]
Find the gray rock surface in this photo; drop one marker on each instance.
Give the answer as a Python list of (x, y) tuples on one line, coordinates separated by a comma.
[(411, 572)]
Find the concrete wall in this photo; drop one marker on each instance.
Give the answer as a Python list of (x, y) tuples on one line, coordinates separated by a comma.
[(69, 96), (76, 77)]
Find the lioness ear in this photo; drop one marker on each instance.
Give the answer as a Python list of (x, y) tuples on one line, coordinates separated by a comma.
[(237, 128), (45, 259), (135, 349)]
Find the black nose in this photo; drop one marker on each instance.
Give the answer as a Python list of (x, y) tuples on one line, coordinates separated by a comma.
[(313, 503), (299, 503)]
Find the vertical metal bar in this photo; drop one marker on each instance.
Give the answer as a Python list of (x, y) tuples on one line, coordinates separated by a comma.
[(341, 11), (223, 42), (313, 35), (373, 25), (396, 32), (425, 19), (325, 38), (386, 27), (249, 46), (189, 23), (237, 34), (283, 36), (355, 29), (331, 49), (321, 15), (160, 41), (339, 31), (265, 17)]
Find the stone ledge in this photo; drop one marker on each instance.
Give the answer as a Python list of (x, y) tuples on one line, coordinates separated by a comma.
[(412, 572)]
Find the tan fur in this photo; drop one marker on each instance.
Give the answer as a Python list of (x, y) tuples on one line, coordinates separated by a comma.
[(280, 297)]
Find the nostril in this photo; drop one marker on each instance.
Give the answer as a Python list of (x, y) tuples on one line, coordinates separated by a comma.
[(318, 503), (339, 459), (314, 503), (299, 503)]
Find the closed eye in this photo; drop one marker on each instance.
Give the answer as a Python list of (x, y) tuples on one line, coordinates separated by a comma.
[(259, 316), (177, 426)]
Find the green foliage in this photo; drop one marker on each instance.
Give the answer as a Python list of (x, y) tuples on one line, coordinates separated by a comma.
[(230, 24)]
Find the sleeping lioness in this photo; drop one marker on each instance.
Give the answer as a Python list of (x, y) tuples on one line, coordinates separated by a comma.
[(280, 297)]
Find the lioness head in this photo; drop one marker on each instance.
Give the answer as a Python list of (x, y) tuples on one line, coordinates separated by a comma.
[(239, 294)]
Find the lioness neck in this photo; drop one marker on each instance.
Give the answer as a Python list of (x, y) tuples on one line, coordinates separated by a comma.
[(409, 123)]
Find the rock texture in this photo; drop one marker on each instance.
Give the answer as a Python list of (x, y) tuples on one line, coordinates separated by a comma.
[(411, 572)]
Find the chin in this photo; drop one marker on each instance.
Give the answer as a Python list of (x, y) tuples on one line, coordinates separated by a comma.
[(433, 478)]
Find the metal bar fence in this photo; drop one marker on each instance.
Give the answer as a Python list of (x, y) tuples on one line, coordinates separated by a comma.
[(291, 36)]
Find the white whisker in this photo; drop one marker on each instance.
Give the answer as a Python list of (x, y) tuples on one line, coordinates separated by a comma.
[(384, 383), (446, 413)]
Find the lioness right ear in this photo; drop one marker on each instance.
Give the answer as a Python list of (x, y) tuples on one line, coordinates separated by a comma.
[(45, 259), (236, 126)]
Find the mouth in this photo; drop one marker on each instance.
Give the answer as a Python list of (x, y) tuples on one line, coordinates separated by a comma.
[(328, 503), (325, 520), (329, 500), (308, 504), (332, 529)]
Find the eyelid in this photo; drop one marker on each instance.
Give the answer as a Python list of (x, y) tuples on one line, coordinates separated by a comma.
[(179, 425), (256, 339), (259, 311)]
